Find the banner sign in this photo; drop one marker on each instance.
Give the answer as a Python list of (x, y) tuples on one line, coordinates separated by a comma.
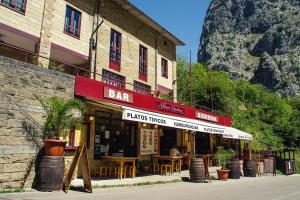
[(182, 123), (148, 141), (166, 120)]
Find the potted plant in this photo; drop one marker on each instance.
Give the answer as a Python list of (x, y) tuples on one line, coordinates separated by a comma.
[(62, 115), (223, 156)]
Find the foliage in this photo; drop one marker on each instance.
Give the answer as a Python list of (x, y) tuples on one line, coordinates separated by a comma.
[(223, 156), (60, 115), (297, 162), (271, 119)]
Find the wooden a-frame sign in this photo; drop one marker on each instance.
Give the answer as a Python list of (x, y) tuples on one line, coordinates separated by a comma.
[(87, 180)]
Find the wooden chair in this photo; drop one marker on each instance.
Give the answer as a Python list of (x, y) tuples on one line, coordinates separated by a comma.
[(103, 169), (128, 170), (155, 165), (178, 167), (165, 169)]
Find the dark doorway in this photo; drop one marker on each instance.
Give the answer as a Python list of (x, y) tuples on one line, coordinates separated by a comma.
[(167, 140), (202, 143), (113, 136)]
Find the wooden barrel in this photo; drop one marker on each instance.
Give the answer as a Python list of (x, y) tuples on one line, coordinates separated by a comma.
[(249, 168), (197, 170), (235, 169), (51, 173)]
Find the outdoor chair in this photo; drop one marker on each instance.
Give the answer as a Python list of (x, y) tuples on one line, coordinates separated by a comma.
[(165, 169)]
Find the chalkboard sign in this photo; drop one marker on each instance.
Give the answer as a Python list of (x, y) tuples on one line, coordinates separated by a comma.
[(87, 181)]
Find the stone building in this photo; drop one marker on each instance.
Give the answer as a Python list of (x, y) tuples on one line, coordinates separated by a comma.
[(115, 58)]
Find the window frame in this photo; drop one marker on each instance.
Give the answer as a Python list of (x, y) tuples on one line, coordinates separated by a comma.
[(140, 88), (164, 68), (73, 10), (110, 80), (12, 6), (143, 63), (115, 63)]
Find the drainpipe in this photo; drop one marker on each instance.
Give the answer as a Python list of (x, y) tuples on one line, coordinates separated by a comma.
[(95, 44), (156, 45)]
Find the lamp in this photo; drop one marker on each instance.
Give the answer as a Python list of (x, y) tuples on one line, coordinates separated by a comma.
[(91, 118), (144, 124)]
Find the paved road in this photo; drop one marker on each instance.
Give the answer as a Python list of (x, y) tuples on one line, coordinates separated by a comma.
[(262, 188)]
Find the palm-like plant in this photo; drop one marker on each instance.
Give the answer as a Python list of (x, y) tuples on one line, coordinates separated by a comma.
[(223, 155), (60, 115)]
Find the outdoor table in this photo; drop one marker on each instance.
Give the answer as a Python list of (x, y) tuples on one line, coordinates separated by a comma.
[(172, 159), (122, 161)]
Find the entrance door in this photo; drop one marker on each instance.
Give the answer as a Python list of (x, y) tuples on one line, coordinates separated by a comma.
[(168, 140), (130, 139), (202, 143)]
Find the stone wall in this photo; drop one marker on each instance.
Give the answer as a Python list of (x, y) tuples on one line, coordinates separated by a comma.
[(21, 117)]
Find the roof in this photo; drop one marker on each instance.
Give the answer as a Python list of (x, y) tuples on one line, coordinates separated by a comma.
[(125, 4)]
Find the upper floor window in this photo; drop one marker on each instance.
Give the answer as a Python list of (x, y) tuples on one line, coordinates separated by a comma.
[(115, 50), (17, 5), (113, 79), (143, 63), (164, 68), (72, 22), (141, 88)]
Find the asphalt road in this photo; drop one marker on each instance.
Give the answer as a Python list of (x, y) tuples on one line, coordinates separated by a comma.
[(262, 188)]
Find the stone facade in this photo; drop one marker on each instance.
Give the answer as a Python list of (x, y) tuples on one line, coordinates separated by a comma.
[(49, 23), (21, 117)]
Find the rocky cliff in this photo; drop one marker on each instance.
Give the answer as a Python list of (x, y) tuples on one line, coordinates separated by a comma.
[(256, 39)]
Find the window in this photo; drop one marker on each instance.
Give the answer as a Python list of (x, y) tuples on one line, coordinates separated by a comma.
[(17, 5), (142, 88), (113, 79), (115, 50), (143, 63), (164, 68), (72, 22)]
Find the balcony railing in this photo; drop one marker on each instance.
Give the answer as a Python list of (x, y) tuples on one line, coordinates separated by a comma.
[(26, 56)]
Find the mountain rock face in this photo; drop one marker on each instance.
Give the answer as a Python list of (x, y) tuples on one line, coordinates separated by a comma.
[(255, 39)]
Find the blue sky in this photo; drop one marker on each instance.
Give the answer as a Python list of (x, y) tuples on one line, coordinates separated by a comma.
[(183, 18)]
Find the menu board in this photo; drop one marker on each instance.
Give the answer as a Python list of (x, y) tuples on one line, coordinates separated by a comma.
[(148, 141)]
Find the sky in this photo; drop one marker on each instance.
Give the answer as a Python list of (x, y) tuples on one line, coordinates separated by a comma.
[(183, 18)]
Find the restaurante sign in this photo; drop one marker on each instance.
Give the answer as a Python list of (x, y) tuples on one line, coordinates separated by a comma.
[(201, 115), (169, 107)]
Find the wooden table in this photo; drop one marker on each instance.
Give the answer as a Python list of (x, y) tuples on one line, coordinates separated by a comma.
[(122, 161), (172, 159)]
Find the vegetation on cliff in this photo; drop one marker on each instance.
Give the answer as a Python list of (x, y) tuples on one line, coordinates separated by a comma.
[(274, 121)]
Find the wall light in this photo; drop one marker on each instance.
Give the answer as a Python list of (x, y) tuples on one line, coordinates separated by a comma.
[(144, 124), (91, 118)]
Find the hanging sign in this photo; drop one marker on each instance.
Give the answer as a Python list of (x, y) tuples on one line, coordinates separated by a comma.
[(148, 141)]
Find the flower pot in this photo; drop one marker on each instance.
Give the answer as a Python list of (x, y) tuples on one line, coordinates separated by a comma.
[(54, 147), (223, 174)]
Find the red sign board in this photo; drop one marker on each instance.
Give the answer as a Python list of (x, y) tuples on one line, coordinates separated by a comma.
[(118, 95), (92, 89), (205, 116), (169, 107)]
